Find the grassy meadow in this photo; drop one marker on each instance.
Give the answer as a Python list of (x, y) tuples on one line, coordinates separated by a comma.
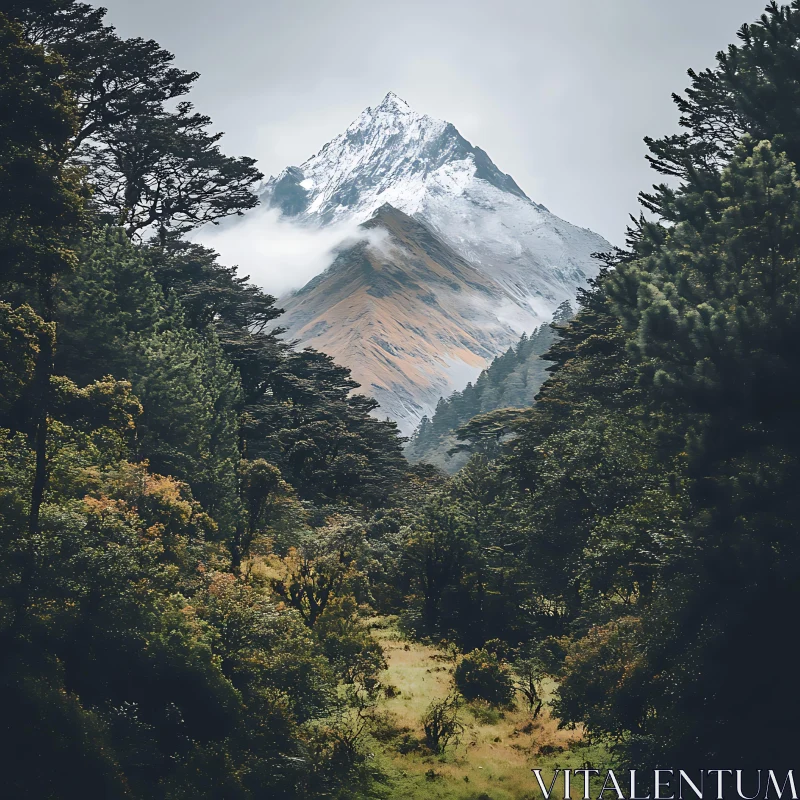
[(496, 752)]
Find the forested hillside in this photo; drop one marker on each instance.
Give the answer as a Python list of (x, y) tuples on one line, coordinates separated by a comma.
[(219, 578), (512, 380), (156, 436)]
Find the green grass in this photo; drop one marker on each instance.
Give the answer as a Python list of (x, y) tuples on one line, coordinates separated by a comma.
[(497, 751)]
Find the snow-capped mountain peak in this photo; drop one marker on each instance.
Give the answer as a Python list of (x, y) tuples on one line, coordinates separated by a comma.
[(526, 259), (388, 154), (393, 103)]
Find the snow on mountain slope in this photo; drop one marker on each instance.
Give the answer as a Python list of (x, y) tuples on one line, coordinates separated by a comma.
[(425, 168)]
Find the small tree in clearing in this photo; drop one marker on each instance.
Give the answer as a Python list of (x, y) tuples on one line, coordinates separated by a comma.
[(441, 724), (480, 675), (529, 673)]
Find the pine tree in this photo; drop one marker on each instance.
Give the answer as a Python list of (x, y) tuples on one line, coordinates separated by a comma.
[(754, 90), (511, 381), (40, 208), (711, 312), (153, 167)]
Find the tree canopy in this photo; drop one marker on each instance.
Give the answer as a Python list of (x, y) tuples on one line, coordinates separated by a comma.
[(161, 451)]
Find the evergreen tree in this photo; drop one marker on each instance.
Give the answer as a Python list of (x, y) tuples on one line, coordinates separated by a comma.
[(152, 168), (39, 201), (714, 336), (130, 667), (110, 80), (40, 204), (752, 91), (165, 172)]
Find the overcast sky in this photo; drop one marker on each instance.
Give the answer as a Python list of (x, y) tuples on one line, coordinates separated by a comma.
[(559, 93)]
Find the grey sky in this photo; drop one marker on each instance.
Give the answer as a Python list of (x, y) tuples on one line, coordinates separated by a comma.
[(559, 94)]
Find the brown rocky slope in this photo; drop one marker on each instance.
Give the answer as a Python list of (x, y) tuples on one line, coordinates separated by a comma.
[(411, 318)]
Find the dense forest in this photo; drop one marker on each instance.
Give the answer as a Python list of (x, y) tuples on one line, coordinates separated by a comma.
[(198, 522), (512, 380)]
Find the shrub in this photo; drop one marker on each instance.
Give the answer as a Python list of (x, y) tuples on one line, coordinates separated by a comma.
[(385, 727), (441, 724), (484, 713), (482, 676), (408, 744), (356, 656)]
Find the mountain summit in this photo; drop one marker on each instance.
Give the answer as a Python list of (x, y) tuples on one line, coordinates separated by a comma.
[(525, 257), (390, 154)]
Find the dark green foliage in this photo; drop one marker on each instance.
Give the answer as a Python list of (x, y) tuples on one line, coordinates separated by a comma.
[(189, 428), (108, 307), (352, 651), (211, 293), (714, 336), (480, 675), (437, 552), (110, 79), (292, 409), (165, 171), (649, 494), (669, 429), (264, 649), (450, 558), (323, 438), (456, 562), (299, 413), (155, 435), (605, 671), (39, 200), (116, 320), (152, 167), (486, 433), (323, 569), (753, 90), (41, 209), (21, 331), (195, 518), (262, 492)]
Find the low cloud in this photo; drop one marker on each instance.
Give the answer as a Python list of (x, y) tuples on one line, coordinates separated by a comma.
[(280, 255), (503, 313)]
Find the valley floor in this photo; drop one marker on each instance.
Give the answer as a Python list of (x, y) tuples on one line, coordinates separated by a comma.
[(497, 750)]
